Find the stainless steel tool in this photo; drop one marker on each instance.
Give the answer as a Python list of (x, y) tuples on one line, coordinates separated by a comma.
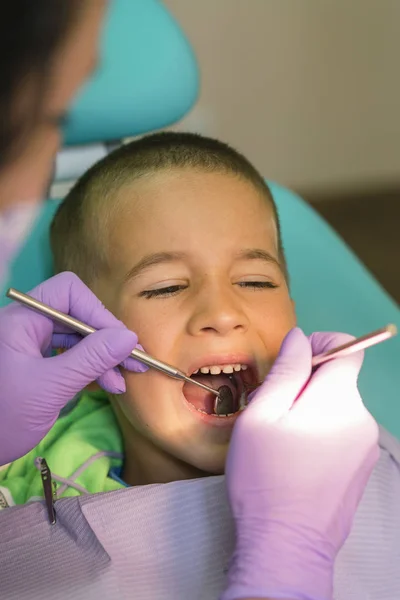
[(84, 330), (365, 341)]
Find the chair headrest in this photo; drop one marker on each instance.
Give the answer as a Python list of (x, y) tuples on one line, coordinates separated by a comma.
[(148, 76)]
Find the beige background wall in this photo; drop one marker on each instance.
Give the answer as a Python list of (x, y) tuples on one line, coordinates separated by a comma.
[(309, 90)]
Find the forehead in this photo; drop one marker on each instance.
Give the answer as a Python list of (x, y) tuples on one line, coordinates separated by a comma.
[(190, 210)]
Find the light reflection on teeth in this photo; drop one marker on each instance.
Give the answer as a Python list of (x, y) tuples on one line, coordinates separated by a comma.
[(217, 369), (215, 415), (219, 416), (228, 369)]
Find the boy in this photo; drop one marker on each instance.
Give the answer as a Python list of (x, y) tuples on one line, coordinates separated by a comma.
[(179, 237)]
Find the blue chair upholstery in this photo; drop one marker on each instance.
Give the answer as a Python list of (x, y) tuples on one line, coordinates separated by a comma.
[(148, 79), (333, 291), (148, 76)]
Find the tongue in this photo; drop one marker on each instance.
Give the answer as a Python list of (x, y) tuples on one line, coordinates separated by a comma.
[(201, 399)]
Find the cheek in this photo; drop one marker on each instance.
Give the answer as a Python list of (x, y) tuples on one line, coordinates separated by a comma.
[(158, 325), (274, 319), (150, 403), (151, 406), (133, 407)]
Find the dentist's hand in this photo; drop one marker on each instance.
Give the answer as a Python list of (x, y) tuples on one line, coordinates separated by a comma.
[(300, 457), (34, 387)]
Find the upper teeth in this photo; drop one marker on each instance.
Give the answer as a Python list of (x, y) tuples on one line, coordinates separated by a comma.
[(217, 369)]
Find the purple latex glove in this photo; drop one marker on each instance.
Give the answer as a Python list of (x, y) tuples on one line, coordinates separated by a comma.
[(300, 457), (34, 387)]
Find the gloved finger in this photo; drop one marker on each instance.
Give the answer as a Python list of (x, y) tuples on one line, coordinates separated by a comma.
[(130, 364), (64, 341), (93, 357), (48, 352), (59, 328), (333, 408), (322, 341), (332, 391), (345, 367), (67, 293), (288, 376), (64, 329), (112, 380), (332, 397), (24, 329)]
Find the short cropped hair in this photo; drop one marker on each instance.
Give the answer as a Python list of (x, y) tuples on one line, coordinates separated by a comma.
[(81, 219)]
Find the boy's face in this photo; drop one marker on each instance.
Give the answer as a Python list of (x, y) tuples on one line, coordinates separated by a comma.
[(195, 273)]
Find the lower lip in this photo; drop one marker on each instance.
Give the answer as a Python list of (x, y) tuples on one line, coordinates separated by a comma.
[(212, 420)]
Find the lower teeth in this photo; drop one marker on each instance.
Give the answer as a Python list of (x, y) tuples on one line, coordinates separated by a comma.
[(216, 415), (242, 406)]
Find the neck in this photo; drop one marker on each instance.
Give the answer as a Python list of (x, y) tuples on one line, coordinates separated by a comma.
[(145, 463)]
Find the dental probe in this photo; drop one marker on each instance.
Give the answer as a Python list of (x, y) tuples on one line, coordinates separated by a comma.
[(370, 339), (84, 330), (365, 341)]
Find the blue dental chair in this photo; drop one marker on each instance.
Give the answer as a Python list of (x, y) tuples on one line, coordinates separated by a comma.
[(149, 79)]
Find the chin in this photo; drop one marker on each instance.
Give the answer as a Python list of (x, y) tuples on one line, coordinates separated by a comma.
[(211, 465)]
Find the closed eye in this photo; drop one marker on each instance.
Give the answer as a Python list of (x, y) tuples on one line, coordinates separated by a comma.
[(169, 290), (172, 290), (257, 285)]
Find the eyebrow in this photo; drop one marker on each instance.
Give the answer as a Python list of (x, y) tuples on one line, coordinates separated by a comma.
[(160, 258), (151, 260), (258, 254)]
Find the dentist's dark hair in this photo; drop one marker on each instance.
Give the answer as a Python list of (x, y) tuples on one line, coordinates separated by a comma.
[(31, 31)]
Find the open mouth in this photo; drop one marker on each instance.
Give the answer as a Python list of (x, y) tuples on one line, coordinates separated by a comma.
[(236, 379)]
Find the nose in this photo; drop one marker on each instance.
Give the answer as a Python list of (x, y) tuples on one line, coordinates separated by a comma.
[(217, 312)]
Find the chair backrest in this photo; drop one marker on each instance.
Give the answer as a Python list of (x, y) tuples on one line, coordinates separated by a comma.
[(333, 291), (331, 288)]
